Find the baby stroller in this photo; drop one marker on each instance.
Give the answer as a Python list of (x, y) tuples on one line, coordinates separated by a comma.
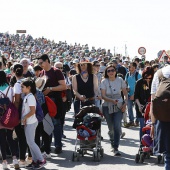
[(146, 147), (88, 126)]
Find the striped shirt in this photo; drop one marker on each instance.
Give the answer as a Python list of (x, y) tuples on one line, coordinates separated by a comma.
[(155, 82)]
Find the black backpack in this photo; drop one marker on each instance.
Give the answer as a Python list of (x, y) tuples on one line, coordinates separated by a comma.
[(161, 102)]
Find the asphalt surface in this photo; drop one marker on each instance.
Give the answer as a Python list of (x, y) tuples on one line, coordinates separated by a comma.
[(129, 146)]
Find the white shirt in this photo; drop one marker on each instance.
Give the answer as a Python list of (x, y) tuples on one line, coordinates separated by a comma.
[(10, 93), (17, 88), (155, 82), (29, 100)]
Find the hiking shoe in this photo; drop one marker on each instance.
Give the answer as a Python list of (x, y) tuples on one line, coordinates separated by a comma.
[(41, 164), (15, 164), (122, 135), (130, 124), (46, 156), (58, 150), (116, 152), (4, 165), (136, 124)]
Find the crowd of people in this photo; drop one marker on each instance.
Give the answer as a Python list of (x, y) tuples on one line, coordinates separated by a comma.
[(31, 69)]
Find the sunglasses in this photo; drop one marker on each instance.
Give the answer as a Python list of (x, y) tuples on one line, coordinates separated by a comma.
[(113, 70), (60, 68), (40, 63), (97, 65), (82, 65)]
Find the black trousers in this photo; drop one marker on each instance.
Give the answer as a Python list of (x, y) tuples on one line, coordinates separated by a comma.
[(6, 136)]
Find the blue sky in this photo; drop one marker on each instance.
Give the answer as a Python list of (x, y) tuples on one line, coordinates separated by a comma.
[(100, 23)]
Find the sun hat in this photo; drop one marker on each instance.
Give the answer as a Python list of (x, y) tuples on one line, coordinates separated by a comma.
[(40, 82)]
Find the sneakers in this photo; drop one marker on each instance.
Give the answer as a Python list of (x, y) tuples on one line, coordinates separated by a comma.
[(39, 165), (28, 160), (15, 163), (4, 165), (32, 165), (129, 124), (58, 150), (116, 152), (122, 135), (46, 156), (22, 164)]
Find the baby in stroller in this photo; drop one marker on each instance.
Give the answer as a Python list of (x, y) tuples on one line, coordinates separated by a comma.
[(146, 146), (88, 126)]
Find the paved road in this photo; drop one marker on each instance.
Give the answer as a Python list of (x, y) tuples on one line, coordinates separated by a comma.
[(128, 147)]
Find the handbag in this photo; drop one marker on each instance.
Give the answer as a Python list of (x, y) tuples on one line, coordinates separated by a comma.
[(9, 115), (115, 107)]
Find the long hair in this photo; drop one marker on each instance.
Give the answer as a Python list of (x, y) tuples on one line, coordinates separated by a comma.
[(3, 79), (89, 67), (148, 71), (30, 83), (105, 72)]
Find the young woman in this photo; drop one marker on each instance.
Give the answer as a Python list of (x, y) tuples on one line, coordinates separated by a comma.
[(113, 106), (6, 133), (85, 86), (30, 122), (143, 94)]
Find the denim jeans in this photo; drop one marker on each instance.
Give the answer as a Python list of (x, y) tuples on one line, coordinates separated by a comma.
[(97, 103), (167, 161), (142, 124), (57, 132), (114, 125), (130, 110)]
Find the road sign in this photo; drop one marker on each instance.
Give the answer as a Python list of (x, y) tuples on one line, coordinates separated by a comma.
[(21, 31), (142, 50)]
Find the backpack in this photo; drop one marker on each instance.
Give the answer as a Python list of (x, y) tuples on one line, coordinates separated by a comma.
[(38, 112), (161, 102), (52, 108), (9, 116), (136, 76)]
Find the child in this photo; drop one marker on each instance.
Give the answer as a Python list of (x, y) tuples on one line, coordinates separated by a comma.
[(30, 122)]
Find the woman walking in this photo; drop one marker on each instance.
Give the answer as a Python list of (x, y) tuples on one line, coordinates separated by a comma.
[(114, 105)]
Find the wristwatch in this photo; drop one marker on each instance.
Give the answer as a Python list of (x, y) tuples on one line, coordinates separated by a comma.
[(51, 88)]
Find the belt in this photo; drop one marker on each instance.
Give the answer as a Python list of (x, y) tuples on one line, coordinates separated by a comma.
[(87, 99)]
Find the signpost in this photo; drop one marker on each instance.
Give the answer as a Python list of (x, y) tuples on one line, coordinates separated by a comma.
[(142, 50), (21, 31)]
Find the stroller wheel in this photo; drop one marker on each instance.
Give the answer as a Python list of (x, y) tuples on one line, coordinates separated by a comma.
[(142, 157), (159, 158), (98, 156), (102, 152), (73, 157), (137, 158), (78, 157), (94, 155)]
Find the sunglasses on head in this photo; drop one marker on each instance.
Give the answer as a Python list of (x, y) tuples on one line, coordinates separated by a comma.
[(60, 67), (112, 70)]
